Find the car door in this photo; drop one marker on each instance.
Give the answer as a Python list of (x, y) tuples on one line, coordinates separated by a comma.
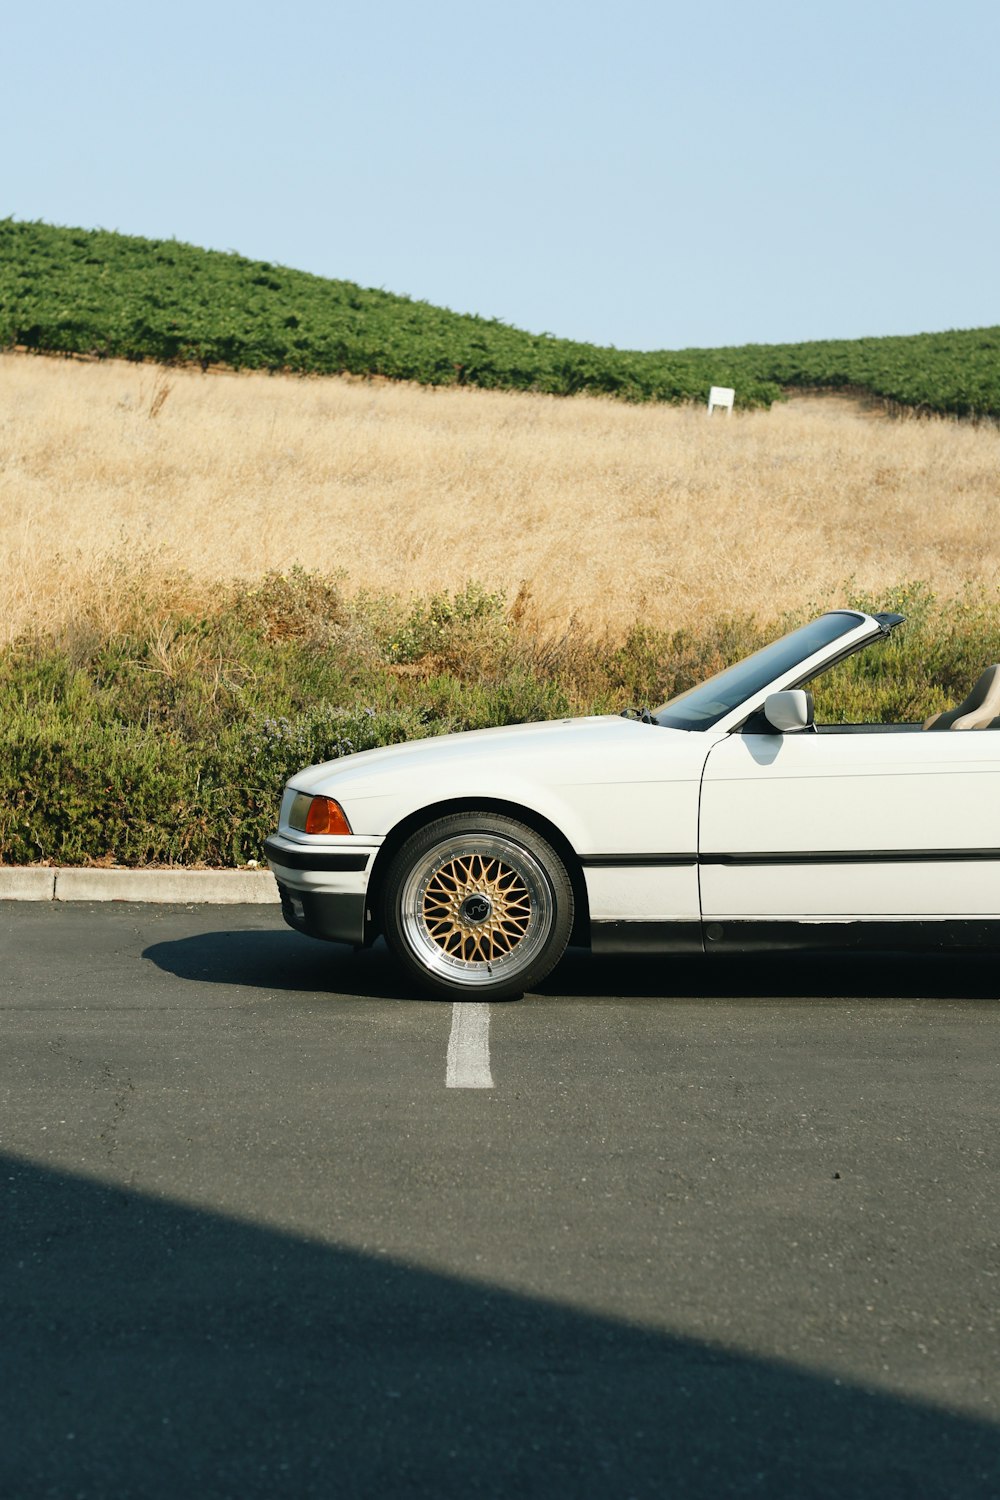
[(852, 822)]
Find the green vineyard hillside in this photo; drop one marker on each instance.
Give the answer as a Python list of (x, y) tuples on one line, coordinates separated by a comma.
[(98, 293)]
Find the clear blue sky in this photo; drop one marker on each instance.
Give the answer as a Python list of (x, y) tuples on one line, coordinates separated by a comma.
[(651, 175)]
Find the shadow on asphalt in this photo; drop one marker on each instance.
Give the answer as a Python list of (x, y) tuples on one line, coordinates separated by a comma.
[(156, 1350), (281, 960), (286, 961)]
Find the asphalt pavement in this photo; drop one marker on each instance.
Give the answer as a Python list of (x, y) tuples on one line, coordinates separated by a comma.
[(694, 1228)]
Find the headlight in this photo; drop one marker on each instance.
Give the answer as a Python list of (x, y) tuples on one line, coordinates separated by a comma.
[(317, 815)]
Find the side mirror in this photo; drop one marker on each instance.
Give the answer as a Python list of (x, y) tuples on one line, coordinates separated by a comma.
[(790, 711)]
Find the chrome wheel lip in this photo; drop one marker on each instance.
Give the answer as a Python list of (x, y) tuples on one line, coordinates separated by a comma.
[(514, 860)]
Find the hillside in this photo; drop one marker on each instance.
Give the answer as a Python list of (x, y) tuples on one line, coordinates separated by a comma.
[(94, 292), (605, 511), (215, 578)]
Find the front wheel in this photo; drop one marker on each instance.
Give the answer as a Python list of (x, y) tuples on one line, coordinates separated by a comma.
[(477, 906)]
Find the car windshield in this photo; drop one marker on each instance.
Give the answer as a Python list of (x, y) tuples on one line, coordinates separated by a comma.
[(702, 706)]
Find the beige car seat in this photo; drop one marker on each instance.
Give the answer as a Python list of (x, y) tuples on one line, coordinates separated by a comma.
[(978, 710)]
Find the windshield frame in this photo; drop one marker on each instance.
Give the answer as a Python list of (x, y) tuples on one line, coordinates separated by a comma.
[(789, 668)]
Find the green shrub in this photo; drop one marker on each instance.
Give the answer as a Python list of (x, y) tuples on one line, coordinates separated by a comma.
[(168, 742)]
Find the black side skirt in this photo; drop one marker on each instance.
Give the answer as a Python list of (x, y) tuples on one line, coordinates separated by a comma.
[(646, 937), (885, 936)]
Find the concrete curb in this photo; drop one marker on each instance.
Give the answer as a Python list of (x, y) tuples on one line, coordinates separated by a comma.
[(169, 887)]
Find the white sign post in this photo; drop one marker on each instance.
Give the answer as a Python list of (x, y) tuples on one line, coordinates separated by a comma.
[(721, 395)]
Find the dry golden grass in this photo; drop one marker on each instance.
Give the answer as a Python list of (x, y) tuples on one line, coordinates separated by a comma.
[(608, 512)]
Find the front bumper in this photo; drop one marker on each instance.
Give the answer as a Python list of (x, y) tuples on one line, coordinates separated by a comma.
[(323, 888)]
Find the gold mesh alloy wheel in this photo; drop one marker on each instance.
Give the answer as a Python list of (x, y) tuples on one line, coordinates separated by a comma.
[(476, 907)]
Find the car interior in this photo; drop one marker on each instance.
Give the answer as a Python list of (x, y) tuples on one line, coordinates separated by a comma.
[(979, 710)]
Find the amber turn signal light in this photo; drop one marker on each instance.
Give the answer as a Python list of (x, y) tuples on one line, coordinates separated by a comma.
[(326, 816)]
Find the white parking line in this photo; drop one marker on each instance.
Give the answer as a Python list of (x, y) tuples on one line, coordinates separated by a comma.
[(469, 1046)]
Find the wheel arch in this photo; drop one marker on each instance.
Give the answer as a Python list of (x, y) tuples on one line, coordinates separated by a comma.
[(397, 836)]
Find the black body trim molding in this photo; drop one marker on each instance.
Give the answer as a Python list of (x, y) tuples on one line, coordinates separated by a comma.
[(324, 860), (631, 861), (855, 857), (793, 857)]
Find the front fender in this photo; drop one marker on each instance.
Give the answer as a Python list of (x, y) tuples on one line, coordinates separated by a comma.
[(380, 815)]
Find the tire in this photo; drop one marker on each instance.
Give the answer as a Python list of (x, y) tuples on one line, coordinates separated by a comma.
[(477, 906)]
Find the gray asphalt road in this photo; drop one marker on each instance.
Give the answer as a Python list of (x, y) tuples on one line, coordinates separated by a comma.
[(719, 1228)]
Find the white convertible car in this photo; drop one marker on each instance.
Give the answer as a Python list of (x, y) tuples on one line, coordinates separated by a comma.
[(728, 820)]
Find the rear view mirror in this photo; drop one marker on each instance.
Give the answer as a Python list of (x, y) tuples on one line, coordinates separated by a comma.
[(789, 711)]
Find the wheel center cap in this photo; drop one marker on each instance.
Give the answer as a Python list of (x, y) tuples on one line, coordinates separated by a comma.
[(476, 908)]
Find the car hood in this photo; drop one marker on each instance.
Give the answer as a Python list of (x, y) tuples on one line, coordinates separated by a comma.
[(602, 781), (525, 744)]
